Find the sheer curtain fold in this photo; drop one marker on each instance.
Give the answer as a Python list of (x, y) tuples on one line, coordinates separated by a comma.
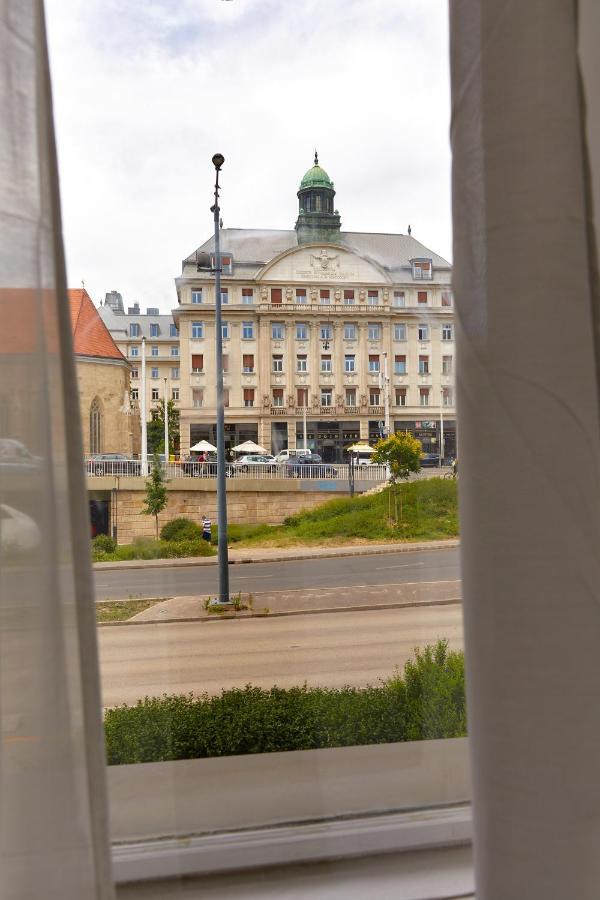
[(529, 444), (53, 834)]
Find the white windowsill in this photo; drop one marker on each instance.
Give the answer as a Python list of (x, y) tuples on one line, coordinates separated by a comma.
[(201, 816)]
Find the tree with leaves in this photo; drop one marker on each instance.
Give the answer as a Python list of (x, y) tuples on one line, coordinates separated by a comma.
[(156, 492), (156, 428), (401, 452)]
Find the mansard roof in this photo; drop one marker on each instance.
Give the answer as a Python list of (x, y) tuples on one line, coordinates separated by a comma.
[(256, 247)]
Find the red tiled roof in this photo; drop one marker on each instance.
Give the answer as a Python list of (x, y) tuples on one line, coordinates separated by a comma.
[(91, 337)]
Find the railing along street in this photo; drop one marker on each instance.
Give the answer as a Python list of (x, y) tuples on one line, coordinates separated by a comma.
[(263, 472)]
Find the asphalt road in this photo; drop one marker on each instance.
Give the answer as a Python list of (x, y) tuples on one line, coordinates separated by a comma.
[(330, 649), (388, 568)]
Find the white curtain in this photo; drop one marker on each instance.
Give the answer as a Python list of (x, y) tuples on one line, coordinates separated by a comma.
[(525, 140), (53, 835)]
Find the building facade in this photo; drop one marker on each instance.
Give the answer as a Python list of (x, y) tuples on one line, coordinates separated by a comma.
[(161, 346), (109, 422), (318, 325)]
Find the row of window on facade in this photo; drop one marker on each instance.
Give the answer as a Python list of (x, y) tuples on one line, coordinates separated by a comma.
[(134, 350), (326, 330), (351, 398), (175, 373), (421, 269), (155, 394), (326, 296), (135, 330), (326, 363)]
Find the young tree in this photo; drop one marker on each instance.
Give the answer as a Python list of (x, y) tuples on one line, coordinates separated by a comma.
[(401, 452), (156, 428), (156, 492)]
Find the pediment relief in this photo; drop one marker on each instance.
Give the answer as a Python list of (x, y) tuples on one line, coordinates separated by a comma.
[(322, 264)]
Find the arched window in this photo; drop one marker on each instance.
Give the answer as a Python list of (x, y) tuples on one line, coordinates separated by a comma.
[(95, 427)]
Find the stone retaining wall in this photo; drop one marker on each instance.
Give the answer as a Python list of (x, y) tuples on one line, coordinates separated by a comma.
[(251, 502)]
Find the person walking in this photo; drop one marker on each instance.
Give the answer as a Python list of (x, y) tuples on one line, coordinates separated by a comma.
[(206, 529)]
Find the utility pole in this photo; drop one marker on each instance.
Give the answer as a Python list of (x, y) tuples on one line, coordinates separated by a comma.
[(143, 413)]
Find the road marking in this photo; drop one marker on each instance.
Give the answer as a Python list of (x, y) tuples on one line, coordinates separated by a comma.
[(401, 566), (245, 576)]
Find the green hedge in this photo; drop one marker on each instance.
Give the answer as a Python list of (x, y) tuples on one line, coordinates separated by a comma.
[(426, 701), (148, 549)]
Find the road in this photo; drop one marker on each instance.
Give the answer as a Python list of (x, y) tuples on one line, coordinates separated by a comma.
[(434, 565), (330, 649)]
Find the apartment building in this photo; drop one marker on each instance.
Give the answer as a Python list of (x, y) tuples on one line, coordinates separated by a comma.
[(162, 348), (313, 319)]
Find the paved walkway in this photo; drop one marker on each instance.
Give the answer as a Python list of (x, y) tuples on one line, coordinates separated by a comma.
[(279, 554)]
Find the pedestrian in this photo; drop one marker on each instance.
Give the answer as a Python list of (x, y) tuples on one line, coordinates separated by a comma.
[(206, 529)]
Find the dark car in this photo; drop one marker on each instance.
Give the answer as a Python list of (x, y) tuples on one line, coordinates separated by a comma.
[(308, 467), (195, 468), (113, 464), (429, 460)]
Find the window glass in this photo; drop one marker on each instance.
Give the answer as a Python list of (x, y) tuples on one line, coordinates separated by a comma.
[(322, 384)]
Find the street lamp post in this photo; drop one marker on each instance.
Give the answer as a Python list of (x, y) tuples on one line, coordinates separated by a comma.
[(203, 263), (441, 427), (143, 413), (166, 411)]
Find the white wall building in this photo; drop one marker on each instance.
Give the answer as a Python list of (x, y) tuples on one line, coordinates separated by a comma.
[(311, 319)]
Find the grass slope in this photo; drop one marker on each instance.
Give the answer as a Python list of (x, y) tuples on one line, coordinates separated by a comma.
[(415, 511)]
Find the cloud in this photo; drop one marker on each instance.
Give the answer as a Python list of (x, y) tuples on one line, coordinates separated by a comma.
[(145, 93)]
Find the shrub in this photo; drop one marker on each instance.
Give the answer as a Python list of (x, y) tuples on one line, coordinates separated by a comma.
[(180, 529), (427, 702), (147, 548), (103, 543)]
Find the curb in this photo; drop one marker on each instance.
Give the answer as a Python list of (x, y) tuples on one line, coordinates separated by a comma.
[(353, 550), (411, 604)]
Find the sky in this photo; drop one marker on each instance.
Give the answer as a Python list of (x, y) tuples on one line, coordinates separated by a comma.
[(146, 91)]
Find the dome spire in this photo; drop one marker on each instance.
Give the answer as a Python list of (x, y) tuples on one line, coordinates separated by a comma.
[(318, 220)]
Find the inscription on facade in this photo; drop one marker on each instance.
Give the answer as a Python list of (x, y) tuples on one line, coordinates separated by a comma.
[(325, 267)]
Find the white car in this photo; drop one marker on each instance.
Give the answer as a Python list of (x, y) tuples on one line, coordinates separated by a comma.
[(251, 461), (284, 455)]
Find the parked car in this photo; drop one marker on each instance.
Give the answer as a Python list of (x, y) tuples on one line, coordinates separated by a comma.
[(429, 460), (286, 454), (15, 456), (208, 469), (254, 461), (113, 464), (311, 466)]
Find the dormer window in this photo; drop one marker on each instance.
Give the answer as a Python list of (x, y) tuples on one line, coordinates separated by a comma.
[(226, 263), (422, 269)]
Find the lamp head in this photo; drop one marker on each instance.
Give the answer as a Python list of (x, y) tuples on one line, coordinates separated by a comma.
[(218, 160)]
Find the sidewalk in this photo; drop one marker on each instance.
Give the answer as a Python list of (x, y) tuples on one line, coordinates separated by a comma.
[(305, 602), (281, 554)]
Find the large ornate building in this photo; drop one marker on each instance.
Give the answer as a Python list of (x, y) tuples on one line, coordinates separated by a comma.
[(313, 320)]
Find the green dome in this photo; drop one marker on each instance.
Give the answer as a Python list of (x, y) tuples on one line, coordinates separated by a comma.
[(316, 177)]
